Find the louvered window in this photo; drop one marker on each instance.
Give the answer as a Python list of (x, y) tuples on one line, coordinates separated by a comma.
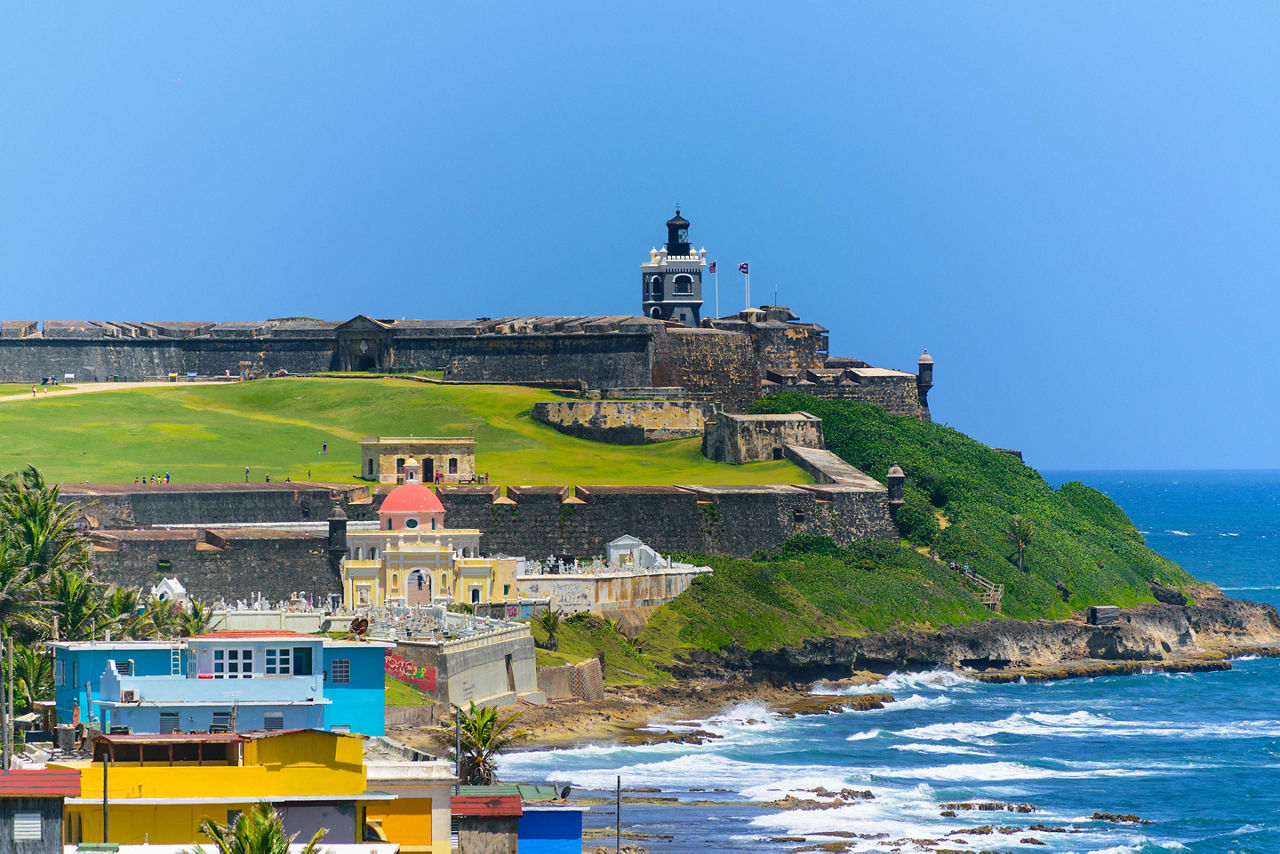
[(272, 721), (168, 722), (27, 826)]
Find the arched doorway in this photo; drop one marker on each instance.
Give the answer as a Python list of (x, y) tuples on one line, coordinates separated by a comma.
[(418, 588)]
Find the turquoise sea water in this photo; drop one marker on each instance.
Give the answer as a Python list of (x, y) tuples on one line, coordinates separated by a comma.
[(1197, 755)]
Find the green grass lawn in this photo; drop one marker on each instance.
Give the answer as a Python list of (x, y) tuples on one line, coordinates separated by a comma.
[(7, 389), (401, 694), (277, 427)]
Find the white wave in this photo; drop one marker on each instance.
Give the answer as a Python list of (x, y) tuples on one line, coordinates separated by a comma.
[(994, 771), (900, 683), (1178, 533), (915, 701), (1228, 535), (1086, 725), (1263, 587), (864, 736), (956, 749)]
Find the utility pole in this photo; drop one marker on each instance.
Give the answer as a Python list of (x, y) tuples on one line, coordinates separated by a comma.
[(9, 696), (4, 711), (106, 761)]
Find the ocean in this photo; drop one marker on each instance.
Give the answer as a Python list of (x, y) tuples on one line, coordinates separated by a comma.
[(1196, 757)]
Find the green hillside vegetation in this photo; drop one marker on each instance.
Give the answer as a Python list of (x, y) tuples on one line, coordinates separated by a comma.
[(1080, 539), (210, 433), (960, 499), (581, 636), (809, 588)]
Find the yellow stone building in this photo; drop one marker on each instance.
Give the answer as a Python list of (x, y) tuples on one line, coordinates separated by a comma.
[(412, 559), (161, 787), (383, 459)]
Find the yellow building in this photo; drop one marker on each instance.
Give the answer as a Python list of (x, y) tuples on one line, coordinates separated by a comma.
[(385, 459), (161, 787), (412, 559)]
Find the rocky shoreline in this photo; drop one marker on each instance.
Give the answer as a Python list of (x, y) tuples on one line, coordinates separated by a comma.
[(1149, 638)]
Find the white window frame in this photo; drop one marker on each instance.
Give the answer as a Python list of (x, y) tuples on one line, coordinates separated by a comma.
[(278, 661), (233, 663), (59, 673), (340, 671)]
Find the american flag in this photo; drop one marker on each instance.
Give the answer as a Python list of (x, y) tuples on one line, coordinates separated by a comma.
[(712, 267), (743, 268)]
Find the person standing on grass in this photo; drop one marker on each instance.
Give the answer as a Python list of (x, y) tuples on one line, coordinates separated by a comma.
[(246, 474), (33, 392)]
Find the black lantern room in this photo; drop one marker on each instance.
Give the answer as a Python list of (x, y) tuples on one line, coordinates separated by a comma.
[(677, 235)]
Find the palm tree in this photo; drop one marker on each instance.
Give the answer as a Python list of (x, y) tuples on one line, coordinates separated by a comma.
[(33, 676), (19, 594), (124, 609), (258, 831), (38, 526), (165, 617), (76, 601), (196, 619), (485, 734), (1019, 532), (549, 621)]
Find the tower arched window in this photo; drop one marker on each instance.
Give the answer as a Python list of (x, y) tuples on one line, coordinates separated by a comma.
[(683, 284), (655, 287)]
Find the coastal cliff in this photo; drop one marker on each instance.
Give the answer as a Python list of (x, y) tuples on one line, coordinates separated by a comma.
[(1146, 637)]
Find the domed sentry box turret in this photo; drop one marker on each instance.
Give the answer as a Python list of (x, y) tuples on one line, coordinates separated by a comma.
[(924, 381), (895, 480)]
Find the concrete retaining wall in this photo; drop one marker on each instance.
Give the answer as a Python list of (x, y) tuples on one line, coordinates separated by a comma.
[(492, 669)]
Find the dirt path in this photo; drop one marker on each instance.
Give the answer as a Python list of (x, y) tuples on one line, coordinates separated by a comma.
[(87, 388)]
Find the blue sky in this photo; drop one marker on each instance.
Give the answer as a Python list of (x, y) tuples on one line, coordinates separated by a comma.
[(1074, 206)]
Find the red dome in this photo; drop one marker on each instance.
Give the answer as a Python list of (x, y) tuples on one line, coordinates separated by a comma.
[(411, 498)]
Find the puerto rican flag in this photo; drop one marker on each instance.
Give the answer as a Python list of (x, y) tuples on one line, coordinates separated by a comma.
[(711, 268), (743, 268)]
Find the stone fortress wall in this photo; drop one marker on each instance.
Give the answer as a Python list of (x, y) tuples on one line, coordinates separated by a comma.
[(224, 559), (731, 361)]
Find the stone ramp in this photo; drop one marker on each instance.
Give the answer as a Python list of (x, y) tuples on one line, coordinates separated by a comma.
[(826, 467)]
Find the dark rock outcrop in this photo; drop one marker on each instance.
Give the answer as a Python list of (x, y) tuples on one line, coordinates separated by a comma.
[(1147, 635)]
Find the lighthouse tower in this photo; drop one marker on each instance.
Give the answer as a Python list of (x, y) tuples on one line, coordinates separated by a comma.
[(671, 281)]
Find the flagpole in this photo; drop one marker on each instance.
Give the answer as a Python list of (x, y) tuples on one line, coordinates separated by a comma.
[(717, 275), (748, 277)]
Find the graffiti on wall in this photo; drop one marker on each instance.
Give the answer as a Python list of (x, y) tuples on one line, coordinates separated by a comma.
[(411, 673)]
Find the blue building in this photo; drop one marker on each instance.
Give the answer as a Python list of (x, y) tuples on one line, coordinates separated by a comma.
[(225, 681)]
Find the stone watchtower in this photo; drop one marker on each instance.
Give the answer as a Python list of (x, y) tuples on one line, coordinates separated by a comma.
[(671, 282)]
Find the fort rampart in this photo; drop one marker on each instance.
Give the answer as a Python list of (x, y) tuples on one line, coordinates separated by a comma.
[(731, 361), (220, 560)]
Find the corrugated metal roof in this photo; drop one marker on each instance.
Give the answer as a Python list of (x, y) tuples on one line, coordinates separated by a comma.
[(525, 791), (43, 783), (486, 805)]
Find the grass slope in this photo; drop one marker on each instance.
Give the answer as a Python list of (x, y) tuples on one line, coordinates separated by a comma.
[(960, 496), (210, 433), (582, 636), (1082, 540), (801, 593)]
